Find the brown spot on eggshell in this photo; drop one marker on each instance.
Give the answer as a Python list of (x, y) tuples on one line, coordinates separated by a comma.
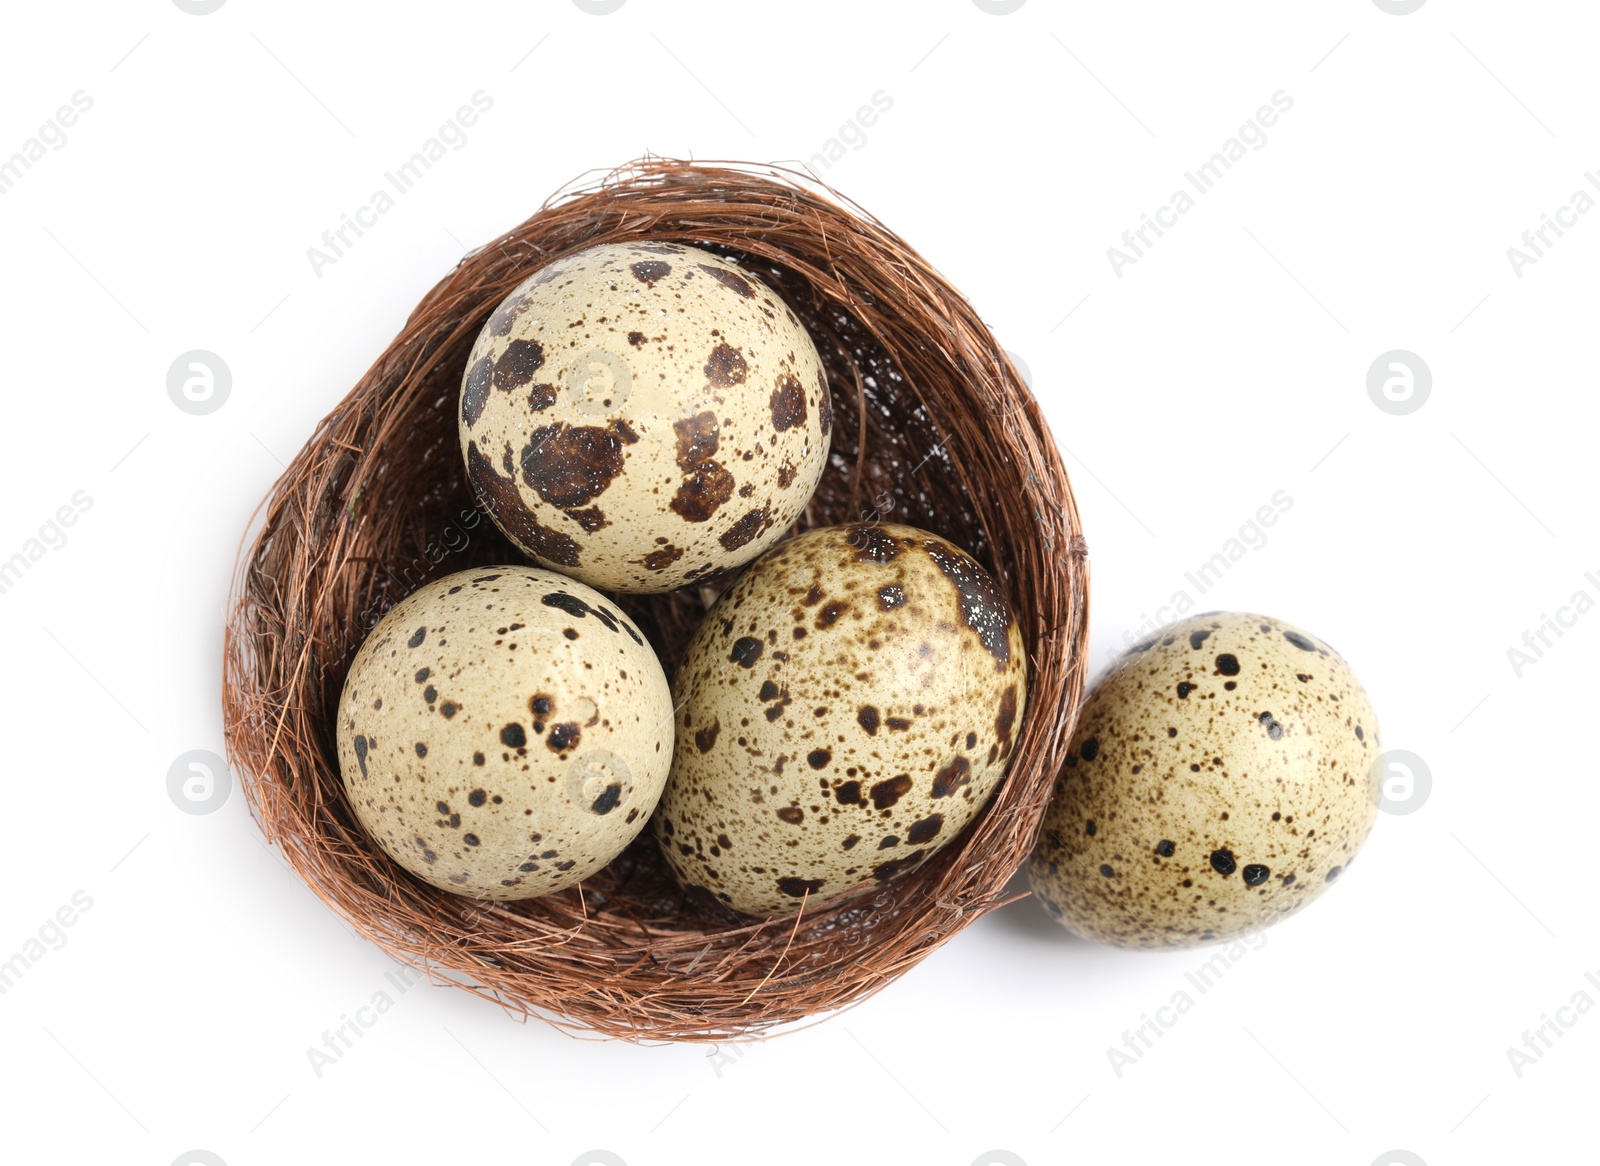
[(830, 613), (707, 485), (569, 466), (591, 518), (798, 888), (886, 793), (952, 776), (517, 364), (788, 404), (1005, 719), (506, 314), (726, 366), (475, 391), (648, 271), (745, 529), (505, 505), (662, 557), (982, 606), (697, 439), (885, 871), (872, 544), (746, 651), (731, 280)]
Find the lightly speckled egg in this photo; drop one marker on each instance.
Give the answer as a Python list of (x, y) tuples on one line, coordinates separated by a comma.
[(1221, 776), (504, 732), (644, 415), (846, 708)]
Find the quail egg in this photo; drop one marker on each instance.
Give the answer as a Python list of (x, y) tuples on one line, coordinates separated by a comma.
[(503, 733), (1220, 777), (846, 708), (644, 415)]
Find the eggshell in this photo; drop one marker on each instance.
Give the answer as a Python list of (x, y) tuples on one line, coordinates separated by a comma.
[(846, 708), (644, 415), (1220, 777), (503, 733)]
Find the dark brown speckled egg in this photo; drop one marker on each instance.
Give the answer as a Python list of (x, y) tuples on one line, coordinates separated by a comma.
[(1221, 777), (504, 732), (644, 415), (846, 708)]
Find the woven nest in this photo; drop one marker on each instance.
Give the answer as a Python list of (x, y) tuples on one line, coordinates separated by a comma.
[(934, 428)]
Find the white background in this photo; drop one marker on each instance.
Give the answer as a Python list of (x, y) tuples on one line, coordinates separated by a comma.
[(1228, 363)]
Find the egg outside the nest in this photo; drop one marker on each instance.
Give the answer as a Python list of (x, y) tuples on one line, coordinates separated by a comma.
[(1221, 776), (504, 733), (644, 415), (847, 707)]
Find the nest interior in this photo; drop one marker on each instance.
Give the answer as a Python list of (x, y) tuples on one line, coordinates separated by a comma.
[(933, 428)]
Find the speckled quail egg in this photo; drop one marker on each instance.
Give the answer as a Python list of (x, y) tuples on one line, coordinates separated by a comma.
[(1221, 776), (504, 733), (846, 708), (644, 415)]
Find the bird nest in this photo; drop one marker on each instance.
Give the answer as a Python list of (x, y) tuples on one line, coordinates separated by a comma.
[(933, 428)]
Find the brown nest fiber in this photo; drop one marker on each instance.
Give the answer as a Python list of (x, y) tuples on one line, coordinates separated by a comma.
[(934, 428)]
